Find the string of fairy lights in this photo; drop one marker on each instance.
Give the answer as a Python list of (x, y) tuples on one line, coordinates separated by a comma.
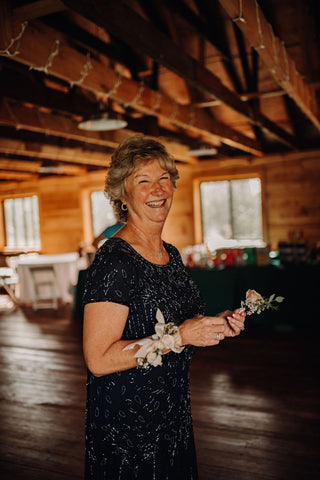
[(273, 69), (240, 17), (9, 51), (12, 50), (136, 98), (14, 40), (83, 73), (279, 50)]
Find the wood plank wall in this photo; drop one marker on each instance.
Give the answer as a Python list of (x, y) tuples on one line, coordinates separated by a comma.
[(291, 200), (290, 195)]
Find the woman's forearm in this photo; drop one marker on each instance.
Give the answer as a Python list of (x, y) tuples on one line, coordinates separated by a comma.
[(112, 360)]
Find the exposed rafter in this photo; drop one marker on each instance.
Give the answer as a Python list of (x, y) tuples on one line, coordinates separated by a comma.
[(38, 42), (24, 87), (34, 120), (19, 165), (23, 166), (178, 70), (32, 150), (250, 19), (18, 177), (158, 46), (215, 32), (37, 9)]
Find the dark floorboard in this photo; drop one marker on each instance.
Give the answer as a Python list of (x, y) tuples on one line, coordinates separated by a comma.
[(255, 403)]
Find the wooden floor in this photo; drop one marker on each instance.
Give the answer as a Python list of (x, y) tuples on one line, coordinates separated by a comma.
[(255, 403)]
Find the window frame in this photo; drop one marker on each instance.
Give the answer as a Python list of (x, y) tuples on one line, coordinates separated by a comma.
[(198, 230), (87, 219), (91, 216), (6, 248)]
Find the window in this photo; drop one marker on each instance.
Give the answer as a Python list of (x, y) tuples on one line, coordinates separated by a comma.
[(102, 213), (21, 220), (231, 213)]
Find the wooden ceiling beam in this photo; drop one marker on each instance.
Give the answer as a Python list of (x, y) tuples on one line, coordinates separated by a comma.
[(24, 166), (19, 177), (49, 123), (273, 53), (44, 48), (70, 155), (161, 18), (35, 93), (214, 30), (19, 165), (31, 119), (152, 42), (55, 153), (19, 86), (244, 97), (37, 9), (6, 26)]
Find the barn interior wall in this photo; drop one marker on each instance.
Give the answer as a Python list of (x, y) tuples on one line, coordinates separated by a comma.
[(291, 201)]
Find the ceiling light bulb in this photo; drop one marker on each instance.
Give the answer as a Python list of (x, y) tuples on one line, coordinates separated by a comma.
[(202, 152), (102, 122)]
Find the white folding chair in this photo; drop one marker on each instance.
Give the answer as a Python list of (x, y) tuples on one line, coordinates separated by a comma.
[(44, 285)]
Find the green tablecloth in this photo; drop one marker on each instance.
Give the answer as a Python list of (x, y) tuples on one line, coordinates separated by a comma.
[(224, 289)]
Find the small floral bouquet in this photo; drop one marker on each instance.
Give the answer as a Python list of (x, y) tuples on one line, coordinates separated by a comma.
[(167, 336), (255, 303)]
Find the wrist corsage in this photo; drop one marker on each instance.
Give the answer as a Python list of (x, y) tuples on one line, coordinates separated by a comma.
[(255, 303), (167, 336)]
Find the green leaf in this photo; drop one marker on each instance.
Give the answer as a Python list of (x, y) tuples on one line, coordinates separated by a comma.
[(279, 299), (271, 297)]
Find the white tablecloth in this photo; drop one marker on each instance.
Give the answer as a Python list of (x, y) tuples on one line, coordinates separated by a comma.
[(66, 267)]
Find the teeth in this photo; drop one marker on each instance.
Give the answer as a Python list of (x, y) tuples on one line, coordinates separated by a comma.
[(155, 204)]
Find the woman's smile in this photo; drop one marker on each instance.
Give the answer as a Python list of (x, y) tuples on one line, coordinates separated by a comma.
[(149, 192), (155, 204)]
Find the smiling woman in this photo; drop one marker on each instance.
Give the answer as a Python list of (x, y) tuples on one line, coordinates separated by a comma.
[(148, 199), (130, 156), (138, 422)]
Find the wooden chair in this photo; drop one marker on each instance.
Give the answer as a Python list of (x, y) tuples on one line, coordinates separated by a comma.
[(45, 289), (8, 281)]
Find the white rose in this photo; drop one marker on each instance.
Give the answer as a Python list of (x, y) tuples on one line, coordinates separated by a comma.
[(154, 358)]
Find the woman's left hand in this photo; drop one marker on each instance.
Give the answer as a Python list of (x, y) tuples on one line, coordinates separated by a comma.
[(234, 322)]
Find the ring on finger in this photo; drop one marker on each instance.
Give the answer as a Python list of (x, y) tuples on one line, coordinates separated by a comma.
[(218, 336)]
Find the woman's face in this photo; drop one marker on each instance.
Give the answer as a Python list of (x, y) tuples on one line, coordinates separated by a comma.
[(149, 193)]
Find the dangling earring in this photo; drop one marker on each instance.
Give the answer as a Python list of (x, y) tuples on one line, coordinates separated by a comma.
[(124, 207)]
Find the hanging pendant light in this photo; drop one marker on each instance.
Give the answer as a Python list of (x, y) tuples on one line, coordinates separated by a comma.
[(103, 120), (202, 151)]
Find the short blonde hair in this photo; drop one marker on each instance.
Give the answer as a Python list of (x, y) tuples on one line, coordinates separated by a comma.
[(129, 156)]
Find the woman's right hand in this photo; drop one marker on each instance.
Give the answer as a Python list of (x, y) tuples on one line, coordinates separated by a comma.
[(202, 331)]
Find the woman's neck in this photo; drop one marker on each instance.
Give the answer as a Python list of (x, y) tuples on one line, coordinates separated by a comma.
[(149, 242), (151, 233)]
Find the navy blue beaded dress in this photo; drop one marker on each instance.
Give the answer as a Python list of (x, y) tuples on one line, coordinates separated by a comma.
[(138, 421)]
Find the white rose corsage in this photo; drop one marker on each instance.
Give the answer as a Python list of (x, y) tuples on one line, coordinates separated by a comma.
[(255, 303), (167, 336)]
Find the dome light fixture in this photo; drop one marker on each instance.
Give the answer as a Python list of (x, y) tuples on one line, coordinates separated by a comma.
[(102, 122), (202, 152), (51, 169)]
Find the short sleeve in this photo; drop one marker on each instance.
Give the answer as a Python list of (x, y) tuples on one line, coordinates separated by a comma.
[(111, 278)]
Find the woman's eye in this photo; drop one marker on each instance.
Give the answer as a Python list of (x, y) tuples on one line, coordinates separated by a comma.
[(166, 177)]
